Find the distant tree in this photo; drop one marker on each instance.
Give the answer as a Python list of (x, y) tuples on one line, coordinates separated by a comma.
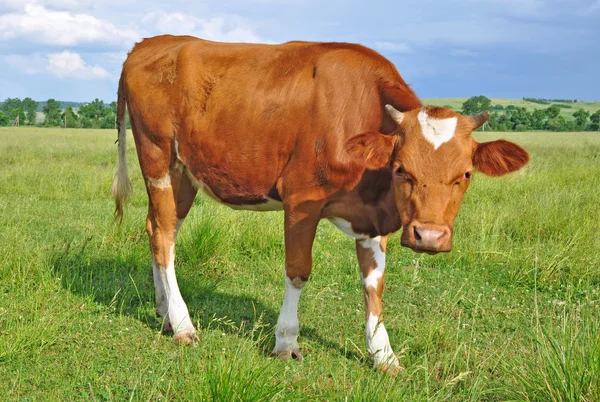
[(501, 127), (493, 120), (108, 121), (519, 119), (86, 122), (581, 118), (521, 127), (538, 119), (17, 113), (30, 107), (568, 125), (537, 100), (97, 115), (11, 104), (110, 115), (501, 122), (52, 112), (552, 112), (497, 107), (555, 123), (475, 105), (70, 118), (510, 107), (595, 121), (4, 119)]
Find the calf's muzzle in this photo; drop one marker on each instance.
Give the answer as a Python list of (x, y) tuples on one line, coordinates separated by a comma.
[(427, 237)]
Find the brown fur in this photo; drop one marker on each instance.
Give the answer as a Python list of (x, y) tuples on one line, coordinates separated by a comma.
[(497, 158)]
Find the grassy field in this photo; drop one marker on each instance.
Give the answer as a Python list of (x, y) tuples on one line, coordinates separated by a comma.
[(513, 313), (456, 104)]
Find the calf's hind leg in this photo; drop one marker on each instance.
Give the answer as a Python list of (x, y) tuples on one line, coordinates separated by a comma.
[(165, 213)]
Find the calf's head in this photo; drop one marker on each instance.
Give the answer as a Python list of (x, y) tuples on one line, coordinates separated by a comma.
[(433, 155)]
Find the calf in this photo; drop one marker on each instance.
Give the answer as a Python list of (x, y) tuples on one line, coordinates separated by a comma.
[(318, 130)]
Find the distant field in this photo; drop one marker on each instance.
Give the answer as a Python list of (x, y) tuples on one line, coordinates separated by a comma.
[(512, 313), (456, 104)]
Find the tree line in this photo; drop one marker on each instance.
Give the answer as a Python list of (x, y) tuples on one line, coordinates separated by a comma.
[(98, 114), (95, 114), (512, 118)]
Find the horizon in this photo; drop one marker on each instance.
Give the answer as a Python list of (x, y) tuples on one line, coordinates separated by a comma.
[(524, 98), (503, 49)]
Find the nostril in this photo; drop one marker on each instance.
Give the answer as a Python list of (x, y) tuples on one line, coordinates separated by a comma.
[(416, 233), (429, 236)]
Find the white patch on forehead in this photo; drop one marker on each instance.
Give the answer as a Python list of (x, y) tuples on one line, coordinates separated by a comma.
[(437, 131), (372, 279)]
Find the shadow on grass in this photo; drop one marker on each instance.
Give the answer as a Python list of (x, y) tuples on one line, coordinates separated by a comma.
[(124, 285)]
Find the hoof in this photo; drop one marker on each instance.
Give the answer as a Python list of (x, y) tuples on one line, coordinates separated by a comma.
[(186, 337), (391, 367), (288, 354)]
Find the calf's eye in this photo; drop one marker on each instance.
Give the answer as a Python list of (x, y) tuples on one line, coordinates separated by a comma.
[(467, 175)]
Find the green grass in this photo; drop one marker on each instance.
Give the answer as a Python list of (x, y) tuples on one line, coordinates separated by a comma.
[(456, 104), (511, 314)]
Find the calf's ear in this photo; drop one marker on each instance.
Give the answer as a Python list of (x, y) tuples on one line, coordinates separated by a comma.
[(372, 150), (497, 158)]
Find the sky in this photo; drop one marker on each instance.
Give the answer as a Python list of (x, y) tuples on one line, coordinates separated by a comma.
[(72, 50)]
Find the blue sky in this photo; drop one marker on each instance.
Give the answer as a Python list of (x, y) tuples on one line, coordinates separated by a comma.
[(73, 49)]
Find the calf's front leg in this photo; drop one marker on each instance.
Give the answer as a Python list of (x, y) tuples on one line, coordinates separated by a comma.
[(300, 232), (371, 257)]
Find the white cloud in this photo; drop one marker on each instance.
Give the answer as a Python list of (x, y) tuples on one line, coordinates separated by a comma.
[(63, 65), (392, 47), (54, 4), (70, 65), (32, 64), (224, 28), (62, 28)]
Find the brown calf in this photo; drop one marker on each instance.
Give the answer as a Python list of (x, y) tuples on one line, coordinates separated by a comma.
[(318, 130)]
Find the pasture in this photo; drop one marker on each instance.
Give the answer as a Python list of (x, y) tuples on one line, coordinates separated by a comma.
[(567, 113), (513, 312)]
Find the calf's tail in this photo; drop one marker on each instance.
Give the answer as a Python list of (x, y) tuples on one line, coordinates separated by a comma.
[(121, 186)]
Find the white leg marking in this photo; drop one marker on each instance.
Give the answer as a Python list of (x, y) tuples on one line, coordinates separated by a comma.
[(170, 304), (437, 131), (286, 333), (162, 302), (378, 344), (162, 183), (374, 244), (162, 305)]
